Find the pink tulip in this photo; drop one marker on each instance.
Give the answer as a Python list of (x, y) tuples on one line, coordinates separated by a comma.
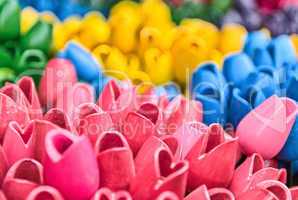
[(167, 195), (58, 74), (202, 193), (70, 165), (41, 129), (12, 108), (44, 193), (74, 95), (59, 118), (107, 194), (266, 128), (115, 160), (19, 143), (2, 196), (138, 126), (253, 171), (3, 165), (117, 100), (92, 121), (22, 178), (212, 149), (181, 110), (159, 173), (273, 190)]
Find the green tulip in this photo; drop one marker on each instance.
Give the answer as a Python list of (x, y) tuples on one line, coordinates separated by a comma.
[(38, 37), (30, 60), (5, 57), (9, 20), (6, 75)]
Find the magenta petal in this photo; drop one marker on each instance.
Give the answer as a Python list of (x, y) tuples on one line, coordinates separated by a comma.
[(222, 159), (107, 194), (59, 118), (92, 121), (44, 193), (11, 111), (167, 195), (162, 174), (27, 85), (251, 172), (22, 178), (115, 160), (3, 165), (64, 151), (18, 143), (202, 193)]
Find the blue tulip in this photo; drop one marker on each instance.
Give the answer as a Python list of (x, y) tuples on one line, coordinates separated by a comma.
[(98, 84), (215, 102), (237, 67), (255, 40), (292, 87), (87, 68), (282, 51), (290, 151), (262, 57), (171, 90), (206, 73)]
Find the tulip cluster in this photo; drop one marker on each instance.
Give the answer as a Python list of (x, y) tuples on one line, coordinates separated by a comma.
[(147, 45), (58, 144), (279, 16), (22, 50)]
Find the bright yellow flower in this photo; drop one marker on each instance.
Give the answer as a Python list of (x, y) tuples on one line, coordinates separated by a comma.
[(28, 18)]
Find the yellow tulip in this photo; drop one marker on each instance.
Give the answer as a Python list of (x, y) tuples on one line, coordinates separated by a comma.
[(232, 38), (294, 39), (157, 14), (202, 29), (217, 57), (158, 65), (49, 17), (125, 21), (94, 30), (60, 37), (139, 78), (154, 37), (133, 62), (187, 53), (28, 18), (112, 59), (72, 25)]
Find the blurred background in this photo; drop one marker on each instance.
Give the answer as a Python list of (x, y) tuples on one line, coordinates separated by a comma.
[(279, 16)]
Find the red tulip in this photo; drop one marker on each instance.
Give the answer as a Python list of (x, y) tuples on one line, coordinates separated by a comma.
[(181, 110), (115, 160), (91, 121), (202, 193), (74, 95), (22, 178), (274, 190), (214, 150), (27, 85), (44, 193), (116, 100), (159, 173), (251, 172), (107, 194), (139, 125), (19, 143), (59, 118), (13, 108), (3, 165)]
